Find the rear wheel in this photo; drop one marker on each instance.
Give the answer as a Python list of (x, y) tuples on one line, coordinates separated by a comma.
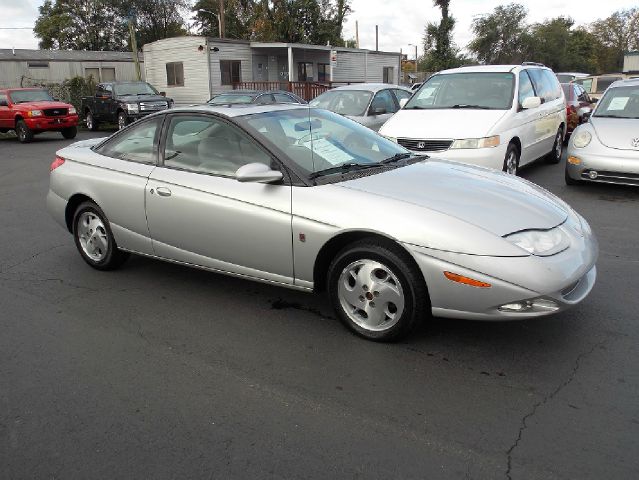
[(377, 291), (558, 148), (511, 160), (25, 134), (94, 239), (69, 132), (92, 124)]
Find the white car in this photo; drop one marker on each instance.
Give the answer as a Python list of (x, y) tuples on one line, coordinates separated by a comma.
[(497, 116)]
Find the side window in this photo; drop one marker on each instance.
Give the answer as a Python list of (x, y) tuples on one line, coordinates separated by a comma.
[(526, 89), (400, 94), (99, 90), (3, 99), (605, 82), (138, 143), (384, 99), (542, 87), (265, 99), (283, 98), (204, 144), (553, 85), (109, 89)]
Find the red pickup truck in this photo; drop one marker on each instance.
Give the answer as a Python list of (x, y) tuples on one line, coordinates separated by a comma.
[(32, 110)]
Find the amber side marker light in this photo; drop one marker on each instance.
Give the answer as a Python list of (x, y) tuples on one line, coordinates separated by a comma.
[(455, 277), (574, 160), (56, 163)]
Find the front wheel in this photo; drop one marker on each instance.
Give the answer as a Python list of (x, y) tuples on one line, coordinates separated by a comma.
[(377, 291), (123, 120), (557, 149), (511, 160), (94, 239), (69, 132), (25, 134)]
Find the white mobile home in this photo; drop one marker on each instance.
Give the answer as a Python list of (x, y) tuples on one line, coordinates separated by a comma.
[(631, 62), (19, 67), (192, 69)]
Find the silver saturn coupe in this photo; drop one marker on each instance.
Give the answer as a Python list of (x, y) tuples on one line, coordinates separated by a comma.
[(308, 199), (606, 148)]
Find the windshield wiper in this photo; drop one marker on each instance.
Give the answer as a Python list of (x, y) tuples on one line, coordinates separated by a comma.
[(464, 105), (396, 158), (343, 168)]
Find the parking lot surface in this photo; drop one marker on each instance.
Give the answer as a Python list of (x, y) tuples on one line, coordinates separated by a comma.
[(160, 371)]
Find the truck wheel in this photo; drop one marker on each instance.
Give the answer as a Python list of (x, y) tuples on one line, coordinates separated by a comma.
[(123, 120), (92, 124), (25, 135), (69, 132)]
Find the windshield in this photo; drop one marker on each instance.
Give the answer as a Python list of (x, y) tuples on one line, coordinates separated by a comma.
[(22, 96), (344, 102), (134, 88), (619, 102), (318, 140), (490, 91), (225, 99)]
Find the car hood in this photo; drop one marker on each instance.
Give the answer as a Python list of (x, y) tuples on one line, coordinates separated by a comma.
[(616, 132), (441, 123), (40, 105), (494, 201), (142, 98)]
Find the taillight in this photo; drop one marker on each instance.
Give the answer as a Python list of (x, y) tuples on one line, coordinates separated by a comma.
[(572, 109), (56, 163)]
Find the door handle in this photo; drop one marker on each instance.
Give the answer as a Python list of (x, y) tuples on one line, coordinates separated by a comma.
[(163, 192)]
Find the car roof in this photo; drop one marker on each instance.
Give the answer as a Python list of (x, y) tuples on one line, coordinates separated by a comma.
[(237, 109), (630, 82), (251, 92), (371, 87)]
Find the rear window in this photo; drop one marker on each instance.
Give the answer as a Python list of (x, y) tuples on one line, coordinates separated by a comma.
[(605, 82)]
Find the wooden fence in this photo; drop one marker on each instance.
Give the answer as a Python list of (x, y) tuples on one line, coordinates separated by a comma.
[(306, 90)]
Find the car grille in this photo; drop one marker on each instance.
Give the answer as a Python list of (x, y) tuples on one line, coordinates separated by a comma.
[(152, 106), (55, 112), (425, 145), (613, 177)]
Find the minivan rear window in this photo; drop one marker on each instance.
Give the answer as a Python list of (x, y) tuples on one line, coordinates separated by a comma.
[(472, 90)]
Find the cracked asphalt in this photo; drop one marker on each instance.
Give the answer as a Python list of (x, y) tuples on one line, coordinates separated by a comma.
[(159, 371)]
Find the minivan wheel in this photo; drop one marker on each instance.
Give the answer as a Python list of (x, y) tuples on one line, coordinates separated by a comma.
[(557, 149), (376, 290), (94, 239), (511, 160)]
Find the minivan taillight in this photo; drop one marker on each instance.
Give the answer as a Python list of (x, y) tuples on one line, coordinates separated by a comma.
[(56, 163)]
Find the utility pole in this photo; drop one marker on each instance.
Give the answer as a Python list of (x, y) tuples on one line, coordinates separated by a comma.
[(356, 34), (376, 38), (221, 19), (134, 48)]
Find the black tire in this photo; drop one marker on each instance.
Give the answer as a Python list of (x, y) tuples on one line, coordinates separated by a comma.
[(512, 150), (557, 151), (400, 265), (24, 133), (91, 122), (570, 180), (69, 132), (123, 120), (112, 257)]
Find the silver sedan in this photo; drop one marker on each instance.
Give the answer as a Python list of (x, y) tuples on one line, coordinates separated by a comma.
[(606, 148), (370, 104), (310, 200)]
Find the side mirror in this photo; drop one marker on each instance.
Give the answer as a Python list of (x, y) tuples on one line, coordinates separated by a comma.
[(377, 110), (258, 173), (403, 102), (531, 102)]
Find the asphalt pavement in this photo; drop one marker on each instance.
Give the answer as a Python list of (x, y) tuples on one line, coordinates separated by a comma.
[(160, 371)]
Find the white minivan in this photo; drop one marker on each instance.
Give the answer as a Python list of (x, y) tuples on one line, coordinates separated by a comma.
[(496, 116)]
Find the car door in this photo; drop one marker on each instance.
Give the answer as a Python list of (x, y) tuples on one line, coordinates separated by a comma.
[(126, 160), (527, 122), (5, 112), (99, 109), (198, 213), (547, 125), (383, 99)]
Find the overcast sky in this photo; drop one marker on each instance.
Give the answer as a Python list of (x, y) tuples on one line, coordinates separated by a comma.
[(401, 22)]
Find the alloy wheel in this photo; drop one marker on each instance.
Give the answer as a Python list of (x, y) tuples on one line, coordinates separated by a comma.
[(511, 163), (93, 236)]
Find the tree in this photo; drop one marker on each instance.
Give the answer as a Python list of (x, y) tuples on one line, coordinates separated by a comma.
[(618, 33), (501, 36), (157, 19), (439, 50), (239, 16)]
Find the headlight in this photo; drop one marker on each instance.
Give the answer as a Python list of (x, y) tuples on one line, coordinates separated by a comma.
[(72, 111), (476, 142), (132, 107), (581, 139), (35, 113), (540, 242)]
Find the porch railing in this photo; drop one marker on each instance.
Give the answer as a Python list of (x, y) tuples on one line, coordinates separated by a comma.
[(306, 90)]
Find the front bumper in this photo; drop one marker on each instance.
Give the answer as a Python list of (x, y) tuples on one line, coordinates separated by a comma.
[(604, 165), (51, 123), (492, 157), (564, 279)]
